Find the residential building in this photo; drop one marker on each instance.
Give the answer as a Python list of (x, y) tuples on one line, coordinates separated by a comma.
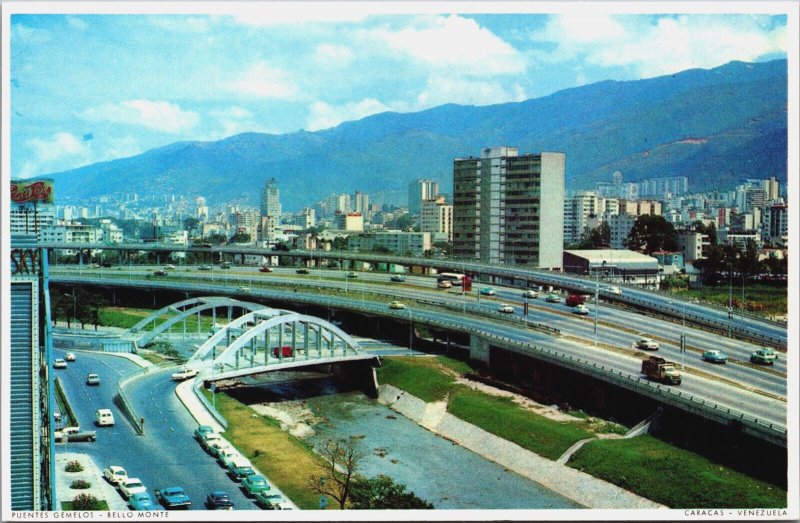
[(305, 218), (620, 226), (418, 191), (739, 237), (360, 203), (586, 210), (109, 232), (399, 242), (509, 208), (436, 217), (776, 224), (771, 188), (664, 187), (270, 200), (351, 221), (640, 207), (694, 245), (71, 233)]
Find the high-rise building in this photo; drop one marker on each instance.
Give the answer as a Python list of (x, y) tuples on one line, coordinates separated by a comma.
[(418, 191), (585, 210), (771, 187), (360, 203), (509, 208), (776, 224), (305, 218), (664, 187), (436, 217), (270, 199)]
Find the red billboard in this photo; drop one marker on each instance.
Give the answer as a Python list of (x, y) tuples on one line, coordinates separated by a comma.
[(32, 191)]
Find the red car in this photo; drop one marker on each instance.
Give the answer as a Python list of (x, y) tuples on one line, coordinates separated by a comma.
[(265, 269), (574, 299), (286, 351)]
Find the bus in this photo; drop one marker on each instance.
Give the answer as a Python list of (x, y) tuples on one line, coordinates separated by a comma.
[(453, 277)]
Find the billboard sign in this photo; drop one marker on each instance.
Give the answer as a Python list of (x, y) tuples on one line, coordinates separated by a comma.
[(32, 191)]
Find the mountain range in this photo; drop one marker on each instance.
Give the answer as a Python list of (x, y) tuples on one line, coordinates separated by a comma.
[(717, 127)]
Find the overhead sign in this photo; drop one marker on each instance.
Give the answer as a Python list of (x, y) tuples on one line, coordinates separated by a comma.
[(32, 191)]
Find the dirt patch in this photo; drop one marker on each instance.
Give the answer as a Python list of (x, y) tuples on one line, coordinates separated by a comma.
[(294, 416)]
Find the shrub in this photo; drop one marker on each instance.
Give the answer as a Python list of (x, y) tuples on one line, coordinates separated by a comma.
[(80, 484), (85, 502), (74, 466)]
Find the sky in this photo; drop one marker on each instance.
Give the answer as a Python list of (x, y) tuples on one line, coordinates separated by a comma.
[(86, 88)]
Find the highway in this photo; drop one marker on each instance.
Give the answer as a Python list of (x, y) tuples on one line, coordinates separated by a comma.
[(167, 455), (758, 405), (749, 325), (618, 327)]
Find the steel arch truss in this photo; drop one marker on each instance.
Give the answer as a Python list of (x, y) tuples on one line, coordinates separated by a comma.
[(184, 310), (271, 340)]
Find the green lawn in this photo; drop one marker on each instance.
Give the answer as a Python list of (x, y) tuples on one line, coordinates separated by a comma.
[(425, 378), (284, 459), (773, 298), (504, 418), (672, 476), (126, 317)]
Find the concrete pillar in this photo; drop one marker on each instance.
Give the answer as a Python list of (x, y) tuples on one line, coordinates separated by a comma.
[(478, 349)]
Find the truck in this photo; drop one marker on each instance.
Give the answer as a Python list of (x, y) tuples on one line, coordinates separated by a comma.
[(574, 300), (661, 370), (75, 434)]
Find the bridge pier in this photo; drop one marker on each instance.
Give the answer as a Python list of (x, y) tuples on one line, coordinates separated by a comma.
[(361, 373), (479, 349)]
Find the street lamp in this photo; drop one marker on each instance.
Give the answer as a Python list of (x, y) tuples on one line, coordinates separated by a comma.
[(596, 294)]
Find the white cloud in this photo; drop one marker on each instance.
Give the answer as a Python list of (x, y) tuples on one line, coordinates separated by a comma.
[(191, 25), (324, 116), (468, 91), (61, 149), (264, 81), (455, 43), (156, 115), (330, 55), (233, 120), (656, 46), (77, 23), (122, 147), (266, 15)]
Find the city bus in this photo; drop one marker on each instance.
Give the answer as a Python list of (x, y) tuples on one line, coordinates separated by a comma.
[(453, 277)]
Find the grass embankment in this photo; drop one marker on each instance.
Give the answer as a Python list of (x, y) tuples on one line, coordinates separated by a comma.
[(433, 379), (127, 317), (672, 476), (758, 297), (284, 459), (155, 358)]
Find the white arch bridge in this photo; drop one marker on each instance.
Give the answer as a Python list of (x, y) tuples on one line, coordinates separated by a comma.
[(264, 340)]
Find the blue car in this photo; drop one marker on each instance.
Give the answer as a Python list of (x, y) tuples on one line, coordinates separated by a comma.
[(173, 498), (143, 501), (201, 431)]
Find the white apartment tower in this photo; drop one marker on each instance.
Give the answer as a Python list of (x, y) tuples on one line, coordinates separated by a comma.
[(436, 217), (509, 208)]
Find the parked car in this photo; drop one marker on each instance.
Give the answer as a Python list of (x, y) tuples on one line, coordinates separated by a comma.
[(204, 268), (487, 291), (286, 351), (764, 356), (208, 439), (220, 445), (397, 305), (219, 500), (104, 418), (553, 298), (398, 278), (114, 474), (269, 501), (201, 431), (580, 309), (226, 454), (240, 468), (303, 271), (715, 356), (130, 486), (59, 363), (160, 273), (530, 293), (647, 344), (444, 284), (254, 484), (74, 434), (92, 379), (143, 501), (70, 356), (506, 309), (184, 374), (264, 268), (172, 498)]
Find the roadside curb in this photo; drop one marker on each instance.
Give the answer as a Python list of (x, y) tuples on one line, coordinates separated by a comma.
[(186, 395)]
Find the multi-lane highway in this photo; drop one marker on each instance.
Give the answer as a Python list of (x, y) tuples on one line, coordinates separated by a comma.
[(732, 393), (167, 455)]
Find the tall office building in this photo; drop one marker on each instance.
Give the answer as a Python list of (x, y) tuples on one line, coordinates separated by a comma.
[(509, 208), (436, 217), (270, 200), (418, 191)]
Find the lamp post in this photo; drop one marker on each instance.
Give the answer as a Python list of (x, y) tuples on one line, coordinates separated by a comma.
[(596, 294)]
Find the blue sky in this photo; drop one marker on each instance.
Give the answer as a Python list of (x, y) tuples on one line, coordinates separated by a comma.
[(95, 87)]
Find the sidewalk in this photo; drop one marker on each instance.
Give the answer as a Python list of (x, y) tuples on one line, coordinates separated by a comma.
[(187, 396), (92, 473)]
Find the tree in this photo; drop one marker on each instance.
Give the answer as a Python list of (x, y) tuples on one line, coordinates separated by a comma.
[(240, 237), (404, 222), (335, 478), (216, 239), (190, 223), (652, 233), (710, 230), (445, 248), (383, 493), (712, 264), (382, 249), (749, 264), (595, 238), (339, 243)]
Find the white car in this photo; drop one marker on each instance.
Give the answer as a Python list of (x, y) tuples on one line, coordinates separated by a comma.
[(130, 486), (184, 374), (647, 344), (397, 305), (444, 284), (226, 454), (169, 267), (530, 293), (104, 418), (613, 290), (244, 289), (70, 356), (59, 363), (506, 309), (209, 439), (115, 474), (581, 309), (217, 446)]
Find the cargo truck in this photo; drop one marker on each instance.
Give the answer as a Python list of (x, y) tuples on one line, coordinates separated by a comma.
[(661, 370), (574, 300)]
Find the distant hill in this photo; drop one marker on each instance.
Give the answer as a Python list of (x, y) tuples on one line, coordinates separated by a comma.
[(716, 126)]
